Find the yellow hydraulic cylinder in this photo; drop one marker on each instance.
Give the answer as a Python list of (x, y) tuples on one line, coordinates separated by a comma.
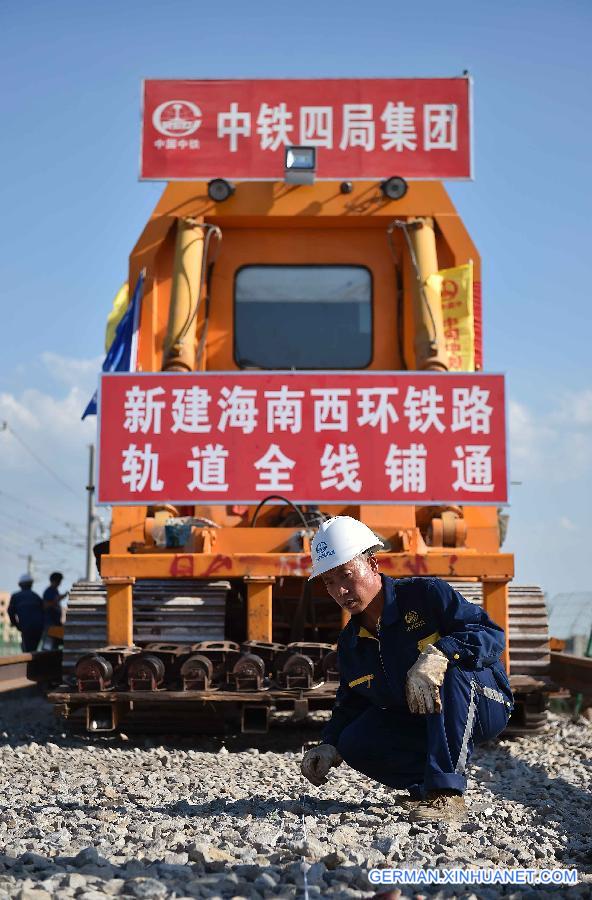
[(179, 348), (430, 351)]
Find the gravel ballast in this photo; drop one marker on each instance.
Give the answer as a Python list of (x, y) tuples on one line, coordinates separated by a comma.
[(144, 819)]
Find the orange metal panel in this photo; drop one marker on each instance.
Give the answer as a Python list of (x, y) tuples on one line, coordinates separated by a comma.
[(259, 609), (445, 564), (127, 527), (260, 200), (482, 528), (120, 623), (387, 520), (495, 604), (251, 540)]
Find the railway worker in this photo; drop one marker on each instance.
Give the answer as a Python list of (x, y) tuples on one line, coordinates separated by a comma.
[(25, 611), (420, 677), (52, 609)]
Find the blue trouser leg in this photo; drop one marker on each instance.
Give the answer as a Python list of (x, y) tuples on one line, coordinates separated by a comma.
[(467, 716), (425, 753), (388, 745)]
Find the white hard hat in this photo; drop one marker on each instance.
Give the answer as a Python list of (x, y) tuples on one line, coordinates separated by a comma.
[(339, 540), (26, 579)]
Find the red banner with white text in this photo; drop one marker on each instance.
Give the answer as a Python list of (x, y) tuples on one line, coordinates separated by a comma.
[(314, 438), (361, 128)]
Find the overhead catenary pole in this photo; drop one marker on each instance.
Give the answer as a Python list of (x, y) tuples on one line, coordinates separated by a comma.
[(90, 515), (30, 563)]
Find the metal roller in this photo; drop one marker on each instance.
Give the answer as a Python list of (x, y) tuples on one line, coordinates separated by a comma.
[(248, 673), (197, 672), (93, 673), (298, 672), (145, 672), (331, 666)]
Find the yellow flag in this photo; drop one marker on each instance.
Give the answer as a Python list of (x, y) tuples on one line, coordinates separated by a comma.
[(120, 304), (458, 318)]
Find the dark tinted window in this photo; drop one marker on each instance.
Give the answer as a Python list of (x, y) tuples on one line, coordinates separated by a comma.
[(303, 317)]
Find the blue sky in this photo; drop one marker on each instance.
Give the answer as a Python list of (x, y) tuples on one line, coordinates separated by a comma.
[(72, 208)]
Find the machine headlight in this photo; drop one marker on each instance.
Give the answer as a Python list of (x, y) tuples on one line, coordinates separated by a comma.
[(300, 164), (394, 188), (220, 190)]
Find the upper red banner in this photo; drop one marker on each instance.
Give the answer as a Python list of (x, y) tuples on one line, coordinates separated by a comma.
[(235, 437), (362, 128)]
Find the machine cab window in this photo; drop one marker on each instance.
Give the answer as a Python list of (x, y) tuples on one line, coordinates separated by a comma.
[(303, 317)]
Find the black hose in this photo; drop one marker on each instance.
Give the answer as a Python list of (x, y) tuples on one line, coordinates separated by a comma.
[(265, 500)]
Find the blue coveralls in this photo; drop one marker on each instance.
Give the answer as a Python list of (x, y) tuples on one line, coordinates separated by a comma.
[(371, 724), (25, 611)]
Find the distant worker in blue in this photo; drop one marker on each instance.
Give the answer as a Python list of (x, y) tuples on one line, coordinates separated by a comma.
[(420, 677), (52, 609), (25, 612)]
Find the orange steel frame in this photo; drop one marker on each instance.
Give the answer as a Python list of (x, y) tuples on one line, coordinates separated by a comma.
[(266, 223)]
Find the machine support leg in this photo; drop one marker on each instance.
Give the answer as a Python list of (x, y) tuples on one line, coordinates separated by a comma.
[(259, 607), (495, 604), (120, 616)]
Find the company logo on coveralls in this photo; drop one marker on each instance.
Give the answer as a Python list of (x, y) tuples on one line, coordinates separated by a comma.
[(413, 620), (322, 550)]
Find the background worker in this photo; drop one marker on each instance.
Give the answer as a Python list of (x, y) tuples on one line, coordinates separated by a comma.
[(52, 609), (420, 677), (25, 611)]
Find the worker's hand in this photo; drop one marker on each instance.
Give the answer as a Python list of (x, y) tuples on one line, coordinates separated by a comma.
[(317, 762), (423, 681)]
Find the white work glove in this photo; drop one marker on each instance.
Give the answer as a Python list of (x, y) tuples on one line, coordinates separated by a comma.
[(317, 762), (423, 681)]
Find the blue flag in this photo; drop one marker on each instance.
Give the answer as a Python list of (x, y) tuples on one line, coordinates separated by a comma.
[(122, 352)]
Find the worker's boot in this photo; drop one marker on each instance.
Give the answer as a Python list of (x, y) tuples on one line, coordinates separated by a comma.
[(403, 801), (440, 806)]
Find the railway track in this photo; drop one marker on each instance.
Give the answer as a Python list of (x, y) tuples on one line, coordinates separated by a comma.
[(13, 672), (25, 670)]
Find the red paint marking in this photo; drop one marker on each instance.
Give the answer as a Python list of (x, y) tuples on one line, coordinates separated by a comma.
[(181, 565), (219, 562), (297, 565), (418, 567), (451, 563), (449, 289)]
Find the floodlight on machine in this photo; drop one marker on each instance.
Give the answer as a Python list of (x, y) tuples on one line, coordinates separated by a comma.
[(300, 165), (220, 190), (394, 188)]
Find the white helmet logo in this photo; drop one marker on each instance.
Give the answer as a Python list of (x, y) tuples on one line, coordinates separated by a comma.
[(322, 550), (177, 118)]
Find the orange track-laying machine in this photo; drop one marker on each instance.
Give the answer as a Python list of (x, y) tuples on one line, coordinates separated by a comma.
[(227, 625)]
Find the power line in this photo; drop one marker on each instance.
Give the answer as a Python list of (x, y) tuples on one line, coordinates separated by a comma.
[(34, 508), (58, 478), (17, 520), (16, 541), (44, 539)]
